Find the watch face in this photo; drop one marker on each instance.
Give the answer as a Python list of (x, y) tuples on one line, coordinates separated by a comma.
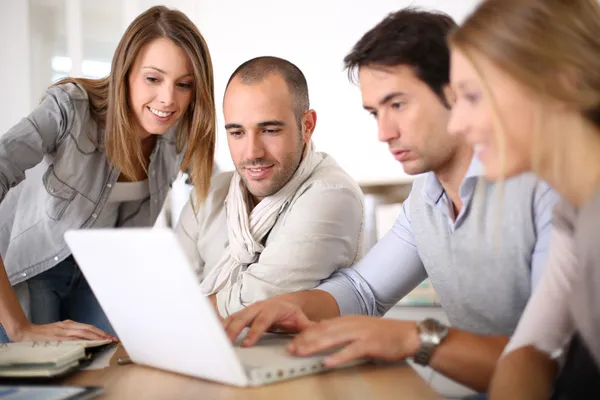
[(432, 331), (430, 324), (429, 337)]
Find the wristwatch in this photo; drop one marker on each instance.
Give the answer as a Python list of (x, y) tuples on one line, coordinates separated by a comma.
[(431, 333)]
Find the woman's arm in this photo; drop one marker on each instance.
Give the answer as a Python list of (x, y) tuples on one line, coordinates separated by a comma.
[(21, 148), (25, 144), (527, 370), (525, 373)]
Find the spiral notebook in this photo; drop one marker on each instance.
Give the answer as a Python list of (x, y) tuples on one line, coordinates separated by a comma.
[(22, 392), (45, 358)]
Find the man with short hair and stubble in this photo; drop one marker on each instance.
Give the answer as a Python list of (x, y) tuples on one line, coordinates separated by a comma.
[(288, 216), (445, 231)]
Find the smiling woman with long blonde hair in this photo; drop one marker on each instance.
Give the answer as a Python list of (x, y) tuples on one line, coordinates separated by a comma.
[(100, 154), (527, 78)]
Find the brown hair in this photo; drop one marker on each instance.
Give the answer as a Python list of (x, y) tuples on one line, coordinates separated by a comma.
[(109, 97), (409, 37), (538, 41)]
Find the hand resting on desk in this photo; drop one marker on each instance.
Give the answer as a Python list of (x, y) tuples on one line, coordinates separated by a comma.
[(63, 330)]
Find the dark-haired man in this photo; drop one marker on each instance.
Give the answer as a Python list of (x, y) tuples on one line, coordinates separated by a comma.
[(482, 266), (288, 217)]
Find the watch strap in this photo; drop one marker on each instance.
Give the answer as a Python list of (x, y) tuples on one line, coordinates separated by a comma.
[(424, 354)]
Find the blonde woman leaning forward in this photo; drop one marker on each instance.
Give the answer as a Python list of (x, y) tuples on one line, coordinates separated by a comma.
[(100, 153), (527, 77)]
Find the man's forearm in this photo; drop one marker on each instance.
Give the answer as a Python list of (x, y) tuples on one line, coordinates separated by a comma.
[(316, 304), (525, 373), (213, 302), (468, 358)]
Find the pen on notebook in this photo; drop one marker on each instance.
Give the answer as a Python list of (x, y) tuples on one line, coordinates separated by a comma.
[(124, 361)]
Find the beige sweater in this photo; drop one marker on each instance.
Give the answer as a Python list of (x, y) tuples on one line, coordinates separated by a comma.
[(319, 232)]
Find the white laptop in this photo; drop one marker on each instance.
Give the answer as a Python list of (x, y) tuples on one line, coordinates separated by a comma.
[(151, 295)]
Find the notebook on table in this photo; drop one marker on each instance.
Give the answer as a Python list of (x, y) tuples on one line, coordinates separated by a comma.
[(151, 296), (45, 359), (22, 392)]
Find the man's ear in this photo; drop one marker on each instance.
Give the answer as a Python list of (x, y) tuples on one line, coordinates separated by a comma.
[(449, 95), (309, 123)]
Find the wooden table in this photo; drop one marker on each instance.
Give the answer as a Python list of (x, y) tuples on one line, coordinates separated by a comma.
[(364, 382)]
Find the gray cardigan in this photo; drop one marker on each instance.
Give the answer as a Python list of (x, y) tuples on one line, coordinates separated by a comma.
[(53, 177)]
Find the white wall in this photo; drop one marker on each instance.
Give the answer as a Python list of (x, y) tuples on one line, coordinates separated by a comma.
[(315, 35), (45, 36), (15, 83)]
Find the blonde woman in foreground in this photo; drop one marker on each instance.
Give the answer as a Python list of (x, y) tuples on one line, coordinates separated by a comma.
[(100, 154), (527, 78)]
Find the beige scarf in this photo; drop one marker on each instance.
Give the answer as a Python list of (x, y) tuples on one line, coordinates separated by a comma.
[(247, 231)]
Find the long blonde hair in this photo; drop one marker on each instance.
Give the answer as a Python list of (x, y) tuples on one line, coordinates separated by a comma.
[(109, 98), (550, 47), (538, 41)]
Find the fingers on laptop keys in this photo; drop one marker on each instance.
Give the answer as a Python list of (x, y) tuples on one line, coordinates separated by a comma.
[(237, 322), (325, 337), (259, 318), (264, 316), (357, 337)]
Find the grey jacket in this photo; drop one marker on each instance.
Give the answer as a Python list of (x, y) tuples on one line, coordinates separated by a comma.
[(53, 177)]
